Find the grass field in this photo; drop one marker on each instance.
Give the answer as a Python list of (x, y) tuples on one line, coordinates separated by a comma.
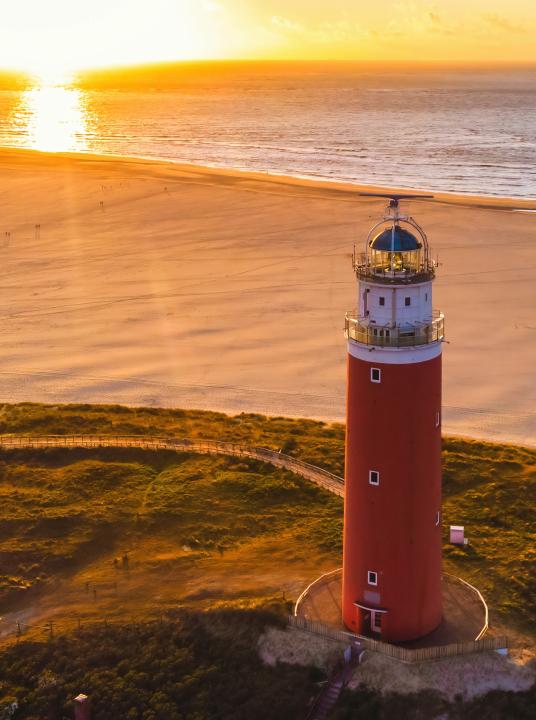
[(196, 530), (491, 489), (205, 529), (180, 668), (128, 536)]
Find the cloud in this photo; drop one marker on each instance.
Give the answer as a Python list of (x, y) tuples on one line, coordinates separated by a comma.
[(337, 31), (500, 22), (288, 26), (342, 31), (416, 18)]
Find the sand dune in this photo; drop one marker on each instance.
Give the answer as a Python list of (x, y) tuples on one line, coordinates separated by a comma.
[(158, 284)]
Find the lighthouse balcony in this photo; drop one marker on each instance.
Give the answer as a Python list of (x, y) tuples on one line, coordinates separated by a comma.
[(364, 331)]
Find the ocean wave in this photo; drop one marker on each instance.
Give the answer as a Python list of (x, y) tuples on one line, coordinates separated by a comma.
[(461, 132)]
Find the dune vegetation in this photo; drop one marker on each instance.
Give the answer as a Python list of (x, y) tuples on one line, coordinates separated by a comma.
[(128, 536), (184, 521), (491, 490), (365, 704), (173, 669), (195, 665), (62, 507)]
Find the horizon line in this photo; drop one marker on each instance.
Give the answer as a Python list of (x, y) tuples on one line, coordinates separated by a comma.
[(423, 64)]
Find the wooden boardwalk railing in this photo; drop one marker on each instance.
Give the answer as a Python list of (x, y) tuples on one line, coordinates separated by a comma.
[(314, 474)]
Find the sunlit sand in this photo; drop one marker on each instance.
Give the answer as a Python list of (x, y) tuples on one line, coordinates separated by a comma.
[(131, 281)]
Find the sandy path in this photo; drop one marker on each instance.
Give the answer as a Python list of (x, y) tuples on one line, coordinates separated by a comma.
[(227, 291)]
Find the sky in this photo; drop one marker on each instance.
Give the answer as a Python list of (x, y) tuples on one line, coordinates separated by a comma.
[(53, 36)]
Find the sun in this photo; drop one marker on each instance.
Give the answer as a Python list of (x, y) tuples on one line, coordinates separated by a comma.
[(55, 38), (47, 70), (52, 74)]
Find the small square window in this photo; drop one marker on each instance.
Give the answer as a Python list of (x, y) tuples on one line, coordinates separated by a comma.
[(374, 477), (375, 375), (372, 577), (382, 301), (407, 301)]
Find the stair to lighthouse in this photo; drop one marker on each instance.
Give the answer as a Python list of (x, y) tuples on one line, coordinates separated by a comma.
[(327, 700)]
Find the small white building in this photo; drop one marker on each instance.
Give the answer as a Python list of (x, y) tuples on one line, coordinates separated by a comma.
[(457, 535)]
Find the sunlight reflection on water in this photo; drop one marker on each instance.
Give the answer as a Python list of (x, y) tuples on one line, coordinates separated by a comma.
[(470, 132), (52, 118)]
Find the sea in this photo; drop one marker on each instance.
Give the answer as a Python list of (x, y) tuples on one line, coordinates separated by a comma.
[(451, 130)]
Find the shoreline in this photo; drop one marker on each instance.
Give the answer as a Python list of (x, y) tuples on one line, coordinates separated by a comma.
[(302, 183), (489, 439), (149, 283)]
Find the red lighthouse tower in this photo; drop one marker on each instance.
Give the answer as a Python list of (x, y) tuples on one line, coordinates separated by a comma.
[(392, 511)]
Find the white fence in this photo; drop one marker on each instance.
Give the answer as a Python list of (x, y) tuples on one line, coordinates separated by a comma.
[(395, 651)]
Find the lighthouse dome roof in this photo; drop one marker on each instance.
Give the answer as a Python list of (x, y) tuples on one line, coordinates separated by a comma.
[(403, 240)]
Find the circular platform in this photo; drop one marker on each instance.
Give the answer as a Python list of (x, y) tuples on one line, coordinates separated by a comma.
[(464, 611)]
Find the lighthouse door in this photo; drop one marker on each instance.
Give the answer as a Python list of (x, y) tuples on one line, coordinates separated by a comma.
[(375, 621), (366, 623)]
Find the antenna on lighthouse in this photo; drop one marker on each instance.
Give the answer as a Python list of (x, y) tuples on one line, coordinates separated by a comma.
[(396, 197)]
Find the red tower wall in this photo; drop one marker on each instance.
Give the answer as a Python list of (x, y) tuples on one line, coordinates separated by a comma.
[(391, 528)]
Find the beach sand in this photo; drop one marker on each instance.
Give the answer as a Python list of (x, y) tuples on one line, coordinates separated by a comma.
[(151, 283)]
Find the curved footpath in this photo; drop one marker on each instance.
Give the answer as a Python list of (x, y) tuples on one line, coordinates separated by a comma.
[(320, 477)]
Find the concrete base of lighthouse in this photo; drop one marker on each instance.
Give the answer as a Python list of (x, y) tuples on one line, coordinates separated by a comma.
[(464, 613)]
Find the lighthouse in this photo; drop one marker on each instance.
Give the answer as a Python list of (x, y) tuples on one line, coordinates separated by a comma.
[(392, 509)]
